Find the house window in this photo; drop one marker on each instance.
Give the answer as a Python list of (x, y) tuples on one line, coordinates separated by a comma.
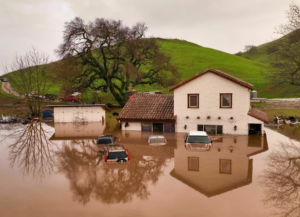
[(225, 100), (146, 126), (211, 129), (193, 100), (193, 164), (225, 166)]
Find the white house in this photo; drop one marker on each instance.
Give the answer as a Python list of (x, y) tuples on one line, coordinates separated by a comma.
[(216, 102), (211, 100), (79, 113)]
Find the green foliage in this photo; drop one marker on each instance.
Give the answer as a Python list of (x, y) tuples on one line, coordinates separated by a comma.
[(191, 58)]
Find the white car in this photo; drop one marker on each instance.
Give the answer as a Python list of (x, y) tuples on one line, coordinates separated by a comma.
[(197, 141), (157, 140)]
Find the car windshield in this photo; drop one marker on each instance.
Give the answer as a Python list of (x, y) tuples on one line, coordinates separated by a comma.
[(198, 139), (104, 141), (157, 140), (116, 155)]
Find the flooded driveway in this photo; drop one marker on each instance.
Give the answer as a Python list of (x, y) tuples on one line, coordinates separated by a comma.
[(59, 172)]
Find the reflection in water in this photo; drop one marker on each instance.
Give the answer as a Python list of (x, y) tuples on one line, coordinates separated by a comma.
[(91, 178), (31, 150), (225, 167), (281, 180)]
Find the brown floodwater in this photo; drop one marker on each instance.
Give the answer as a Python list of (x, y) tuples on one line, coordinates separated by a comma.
[(46, 171)]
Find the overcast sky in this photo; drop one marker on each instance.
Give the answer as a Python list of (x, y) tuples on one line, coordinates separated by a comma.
[(226, 25)]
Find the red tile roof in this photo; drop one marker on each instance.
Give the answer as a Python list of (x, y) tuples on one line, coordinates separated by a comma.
[(217, 72), (149, 107), (258, 114)]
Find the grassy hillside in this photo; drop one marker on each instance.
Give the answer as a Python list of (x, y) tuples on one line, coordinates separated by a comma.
[(191, 58)]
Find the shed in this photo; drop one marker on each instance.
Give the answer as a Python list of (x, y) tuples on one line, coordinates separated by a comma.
[(79, 113)]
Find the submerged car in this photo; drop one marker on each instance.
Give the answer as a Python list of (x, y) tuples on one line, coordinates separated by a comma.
[(157, 140), (197, 141), (115, 153), (106, 140)]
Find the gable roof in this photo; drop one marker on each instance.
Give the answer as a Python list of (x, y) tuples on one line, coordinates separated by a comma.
[(148, 107), (258, 114), (217, 72)]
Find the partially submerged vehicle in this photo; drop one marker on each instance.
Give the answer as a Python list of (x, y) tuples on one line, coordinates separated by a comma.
[(115, 153), (157, 140), (106, 140), (197, 141)]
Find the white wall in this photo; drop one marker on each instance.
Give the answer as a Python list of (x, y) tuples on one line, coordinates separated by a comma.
[(209, 86), (71, 114), (132, 126)]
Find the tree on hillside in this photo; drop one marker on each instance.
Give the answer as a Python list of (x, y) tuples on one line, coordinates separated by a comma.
[(285, 68), (115, 57), (31, 78), (250, 48)]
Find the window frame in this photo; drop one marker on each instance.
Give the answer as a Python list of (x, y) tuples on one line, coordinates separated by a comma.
[(225, 107), (216, 128), (220, 166), (189, 168), (188, 100)]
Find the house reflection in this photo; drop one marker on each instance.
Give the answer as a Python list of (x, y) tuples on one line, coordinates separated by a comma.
[(78, 130), (225, 167)]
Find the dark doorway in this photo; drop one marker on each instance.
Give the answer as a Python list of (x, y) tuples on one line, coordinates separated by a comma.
[(158, 127), (254, 129)]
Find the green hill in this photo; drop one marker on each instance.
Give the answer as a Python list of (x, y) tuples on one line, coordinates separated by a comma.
[(191, 58)]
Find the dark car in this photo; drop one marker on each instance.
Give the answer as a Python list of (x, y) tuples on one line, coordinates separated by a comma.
[(115, 153), (50, 96), (106, 140)]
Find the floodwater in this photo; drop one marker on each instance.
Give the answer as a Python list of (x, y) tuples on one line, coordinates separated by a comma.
[(46, 171)]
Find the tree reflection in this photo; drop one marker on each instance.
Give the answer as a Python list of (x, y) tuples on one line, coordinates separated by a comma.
[(281, 180), (30, 151), (89, 178)]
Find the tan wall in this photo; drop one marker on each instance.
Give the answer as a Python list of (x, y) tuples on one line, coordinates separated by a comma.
[(209, 86), (208, 178), (71, 114), (74, 130)]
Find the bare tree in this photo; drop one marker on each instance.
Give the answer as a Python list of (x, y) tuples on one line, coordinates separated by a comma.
[(115, 56), (30, 149), (31, 78), (285, 68), (281, 180)]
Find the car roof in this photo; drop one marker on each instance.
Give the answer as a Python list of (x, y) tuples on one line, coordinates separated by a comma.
[(197, 133), (156, 136), (115, 148)]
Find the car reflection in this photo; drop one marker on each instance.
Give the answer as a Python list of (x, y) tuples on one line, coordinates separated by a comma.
[(225, 167), (280, 180)]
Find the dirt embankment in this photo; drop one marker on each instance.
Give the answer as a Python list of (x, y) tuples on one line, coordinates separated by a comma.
[(6, 87)]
